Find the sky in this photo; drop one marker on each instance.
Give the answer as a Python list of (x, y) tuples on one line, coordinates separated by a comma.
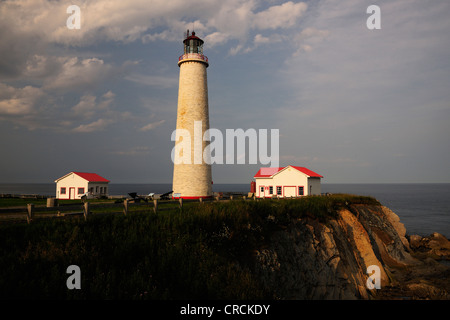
[(353, 104)]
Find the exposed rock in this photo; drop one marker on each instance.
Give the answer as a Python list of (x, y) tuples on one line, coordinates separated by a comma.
[(398, 226), (414, 241), (313, 260), (435, 245), (423, 290)]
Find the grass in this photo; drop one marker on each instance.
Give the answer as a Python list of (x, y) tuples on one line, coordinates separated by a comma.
[(202, 252), (22, 202), (19, 202)]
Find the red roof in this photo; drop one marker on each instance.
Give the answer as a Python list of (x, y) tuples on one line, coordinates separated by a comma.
[(192, 36), (91, 177), (269, 172), (308, 172)]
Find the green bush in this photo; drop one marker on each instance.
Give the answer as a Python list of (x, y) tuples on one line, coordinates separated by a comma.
[(202, 252)]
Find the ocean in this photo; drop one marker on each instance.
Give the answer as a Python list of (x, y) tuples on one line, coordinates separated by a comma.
[(422, 208)]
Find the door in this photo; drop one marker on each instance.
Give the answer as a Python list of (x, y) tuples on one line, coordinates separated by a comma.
[(261, 191), (72, 193), (289, 191)]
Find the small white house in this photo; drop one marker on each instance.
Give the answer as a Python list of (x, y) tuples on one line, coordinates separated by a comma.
[(290, 181), (76, 184)]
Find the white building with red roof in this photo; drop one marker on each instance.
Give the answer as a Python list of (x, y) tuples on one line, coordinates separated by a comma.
[(290, 181), (76, 184)]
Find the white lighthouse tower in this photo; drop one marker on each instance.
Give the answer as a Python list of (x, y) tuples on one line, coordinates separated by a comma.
[(192, 176)]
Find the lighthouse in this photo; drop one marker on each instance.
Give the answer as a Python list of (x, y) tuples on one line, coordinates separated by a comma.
[(192, 176)]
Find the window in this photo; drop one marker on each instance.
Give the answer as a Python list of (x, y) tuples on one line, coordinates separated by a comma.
[(262, 189), (279, 191), (63, 191), (271, 190), (80, 190), (300, 191)]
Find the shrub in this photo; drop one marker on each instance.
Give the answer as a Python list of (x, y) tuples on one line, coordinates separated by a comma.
[(203, 251)]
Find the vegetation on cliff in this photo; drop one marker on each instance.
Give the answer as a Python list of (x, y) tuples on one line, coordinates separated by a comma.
[(205, 251)]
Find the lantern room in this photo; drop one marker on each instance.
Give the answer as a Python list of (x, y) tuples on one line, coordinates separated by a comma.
[(193, 50), (193, 44)]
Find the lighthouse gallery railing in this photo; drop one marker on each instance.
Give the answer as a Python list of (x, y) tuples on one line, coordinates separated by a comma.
[(193, 56)]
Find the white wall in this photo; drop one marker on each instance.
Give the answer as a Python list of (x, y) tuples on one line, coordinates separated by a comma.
[(314, 186), (286, 179), (71, 181)]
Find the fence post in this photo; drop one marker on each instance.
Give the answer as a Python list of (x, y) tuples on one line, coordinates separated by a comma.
[(231, 197), (155, 205), (86, 210), (243, 198), (200, 199), (30, 212), (181, 203), (125, 207)]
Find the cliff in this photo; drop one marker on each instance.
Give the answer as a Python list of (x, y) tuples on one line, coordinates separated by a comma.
[(329, 260), (317, 247)]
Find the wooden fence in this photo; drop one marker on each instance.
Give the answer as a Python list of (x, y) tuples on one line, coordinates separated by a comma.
[(32, 212)]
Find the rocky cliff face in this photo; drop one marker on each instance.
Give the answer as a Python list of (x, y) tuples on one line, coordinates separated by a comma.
[(314, 260)]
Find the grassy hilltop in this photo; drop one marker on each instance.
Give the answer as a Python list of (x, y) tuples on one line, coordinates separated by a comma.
[(202, 252)]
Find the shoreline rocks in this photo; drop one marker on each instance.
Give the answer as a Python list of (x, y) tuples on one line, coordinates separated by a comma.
[(434, 245), (315, 260)]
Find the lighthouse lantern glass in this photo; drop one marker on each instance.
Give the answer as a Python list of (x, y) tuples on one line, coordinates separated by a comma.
[(193, 46)]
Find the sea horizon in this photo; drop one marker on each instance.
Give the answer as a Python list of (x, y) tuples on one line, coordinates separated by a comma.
[(423, 208)]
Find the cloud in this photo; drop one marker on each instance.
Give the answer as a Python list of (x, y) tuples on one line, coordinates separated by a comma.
[(98, 125), (76, 74), (116, 20), (101, 20), (238, 20), (18, 101), (86, 106), (28, 28), (33, 109), (136, 151), (308, 39), (366, 95), (216, 38), (27, 107), (259, 39), (89, 106), (282, 16), (152, 125), (17, 43)]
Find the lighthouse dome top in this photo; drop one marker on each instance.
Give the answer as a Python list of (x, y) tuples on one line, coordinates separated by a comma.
[(193, 50), (192, 37)]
